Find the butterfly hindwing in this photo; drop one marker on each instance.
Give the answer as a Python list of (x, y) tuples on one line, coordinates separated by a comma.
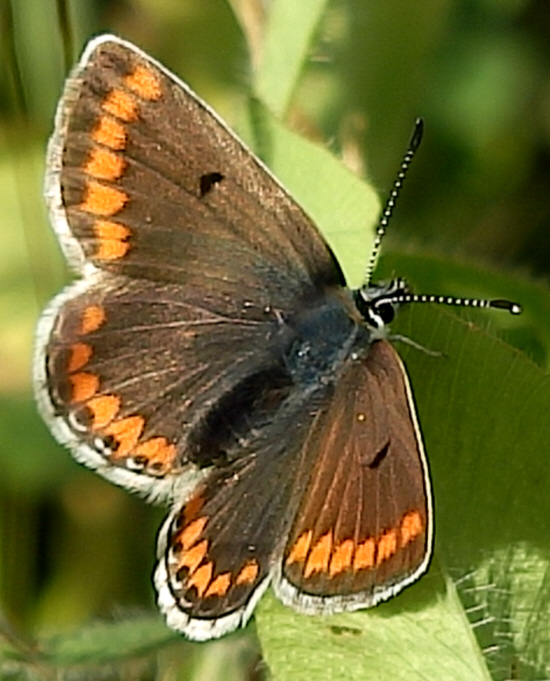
[(144, 382), (217, 551), (363, 529)]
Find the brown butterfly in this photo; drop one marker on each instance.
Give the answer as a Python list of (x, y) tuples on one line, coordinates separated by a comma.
[(211, 357)]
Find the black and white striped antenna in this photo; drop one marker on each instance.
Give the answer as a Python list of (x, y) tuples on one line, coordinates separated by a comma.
[(400, 294)]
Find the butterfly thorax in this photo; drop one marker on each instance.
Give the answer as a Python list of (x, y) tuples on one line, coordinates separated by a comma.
[(322, 337)]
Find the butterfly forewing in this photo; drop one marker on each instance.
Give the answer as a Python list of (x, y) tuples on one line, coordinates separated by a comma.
[(174, 198)]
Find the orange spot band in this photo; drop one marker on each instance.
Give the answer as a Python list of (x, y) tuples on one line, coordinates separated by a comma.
[(84, 386), (126, 432), (364, 555), (341, 558), (157, 450), (387, 546), (112, 240), (248, 573), (411, 527), (192, 532), (104, 409), (108, 230), (192, 507), (299, 551), (220, 586), (80, 356), (201, 579), (193, 558)]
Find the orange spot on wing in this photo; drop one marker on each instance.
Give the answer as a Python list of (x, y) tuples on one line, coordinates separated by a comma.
[(387, 546), (157, 450), (201, 579), (219, 586), (80, 356), (364, 555), (104, 164), (126, 432), (104, 409), (342, 557), (110, 133), (319, 555), (299, 551), (121, 105), (112, 239), (102, 200), (248, 573), (84, 386), (411, 527), (144, 82), (112, 250), (192, 558), (105, 229), (189, 535), (92, 318), (192, 507)]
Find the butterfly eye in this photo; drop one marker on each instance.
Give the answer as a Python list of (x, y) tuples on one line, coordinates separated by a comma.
[(386, 312), (377, 303)]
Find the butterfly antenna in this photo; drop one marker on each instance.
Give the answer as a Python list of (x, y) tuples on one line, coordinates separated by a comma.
[(416, 138), (498, 303)]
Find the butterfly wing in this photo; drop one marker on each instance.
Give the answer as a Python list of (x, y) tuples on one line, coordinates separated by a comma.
[(145, 180), (141, 382), (190, 255), (319, 482), (363, 529), (217, 550)]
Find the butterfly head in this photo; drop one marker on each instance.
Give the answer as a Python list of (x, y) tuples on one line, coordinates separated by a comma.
[(378, 303)]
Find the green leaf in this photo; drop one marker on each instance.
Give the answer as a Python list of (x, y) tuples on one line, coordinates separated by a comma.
[(483, 408), (289, 33), (421, 635), (131, 646), (343, 206), (107, 641)]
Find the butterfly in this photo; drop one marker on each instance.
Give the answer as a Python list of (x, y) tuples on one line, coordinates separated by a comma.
[(210, 357)]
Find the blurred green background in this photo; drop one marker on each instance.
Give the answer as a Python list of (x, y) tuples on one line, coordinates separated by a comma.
[(74, 548)]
